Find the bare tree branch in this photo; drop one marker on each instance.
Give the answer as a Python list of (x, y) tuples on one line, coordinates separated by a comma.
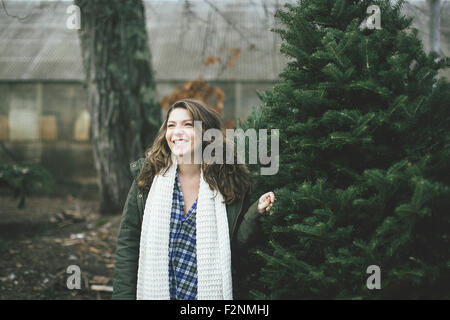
[(231, 23), (189, 12), (11, 15)]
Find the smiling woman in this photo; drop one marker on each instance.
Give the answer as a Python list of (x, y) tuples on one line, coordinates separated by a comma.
[(183, 219)]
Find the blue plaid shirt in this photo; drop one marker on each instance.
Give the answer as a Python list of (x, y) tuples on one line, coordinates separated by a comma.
[(183, 278)]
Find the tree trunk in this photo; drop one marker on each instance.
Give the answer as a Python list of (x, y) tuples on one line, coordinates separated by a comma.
[(435, 7), (125, 113)]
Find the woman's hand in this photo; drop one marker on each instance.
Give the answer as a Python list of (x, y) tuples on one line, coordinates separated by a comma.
[(266, 201)]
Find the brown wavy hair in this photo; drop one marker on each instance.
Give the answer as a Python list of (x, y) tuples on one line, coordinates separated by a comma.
[(232, 180)]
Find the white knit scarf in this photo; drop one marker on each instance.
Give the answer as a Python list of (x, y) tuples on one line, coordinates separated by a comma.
[(213, 242)]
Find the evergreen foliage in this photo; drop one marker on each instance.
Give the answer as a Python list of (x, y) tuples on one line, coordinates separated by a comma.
[(364, 149), (24, 180)]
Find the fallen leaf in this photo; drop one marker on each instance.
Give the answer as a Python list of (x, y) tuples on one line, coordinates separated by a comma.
[(95, 250), (99, 280)]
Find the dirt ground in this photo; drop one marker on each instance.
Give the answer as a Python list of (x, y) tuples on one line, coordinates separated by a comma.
[(39, 243)]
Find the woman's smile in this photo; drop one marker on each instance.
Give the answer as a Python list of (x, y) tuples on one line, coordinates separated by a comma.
[(180, 141)]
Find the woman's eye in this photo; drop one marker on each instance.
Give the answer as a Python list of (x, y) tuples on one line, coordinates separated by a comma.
[(188, 124)]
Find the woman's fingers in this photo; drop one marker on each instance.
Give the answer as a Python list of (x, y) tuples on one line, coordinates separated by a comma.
[(267, 201)]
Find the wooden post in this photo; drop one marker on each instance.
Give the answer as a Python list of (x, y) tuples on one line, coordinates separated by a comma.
[(434, 7)]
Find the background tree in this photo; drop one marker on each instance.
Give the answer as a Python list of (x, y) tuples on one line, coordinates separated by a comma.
[(125, 114), (198, 89), (24, 180), (364, 149)]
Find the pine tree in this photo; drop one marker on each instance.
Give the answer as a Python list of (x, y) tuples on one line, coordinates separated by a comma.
[(364, 148)]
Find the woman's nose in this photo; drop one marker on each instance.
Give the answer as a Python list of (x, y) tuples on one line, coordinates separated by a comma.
[(178, 131)]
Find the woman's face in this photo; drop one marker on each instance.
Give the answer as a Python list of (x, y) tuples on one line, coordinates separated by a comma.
[(180, 133)]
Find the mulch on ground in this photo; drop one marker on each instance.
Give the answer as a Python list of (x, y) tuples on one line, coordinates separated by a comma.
[(39, 243)]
